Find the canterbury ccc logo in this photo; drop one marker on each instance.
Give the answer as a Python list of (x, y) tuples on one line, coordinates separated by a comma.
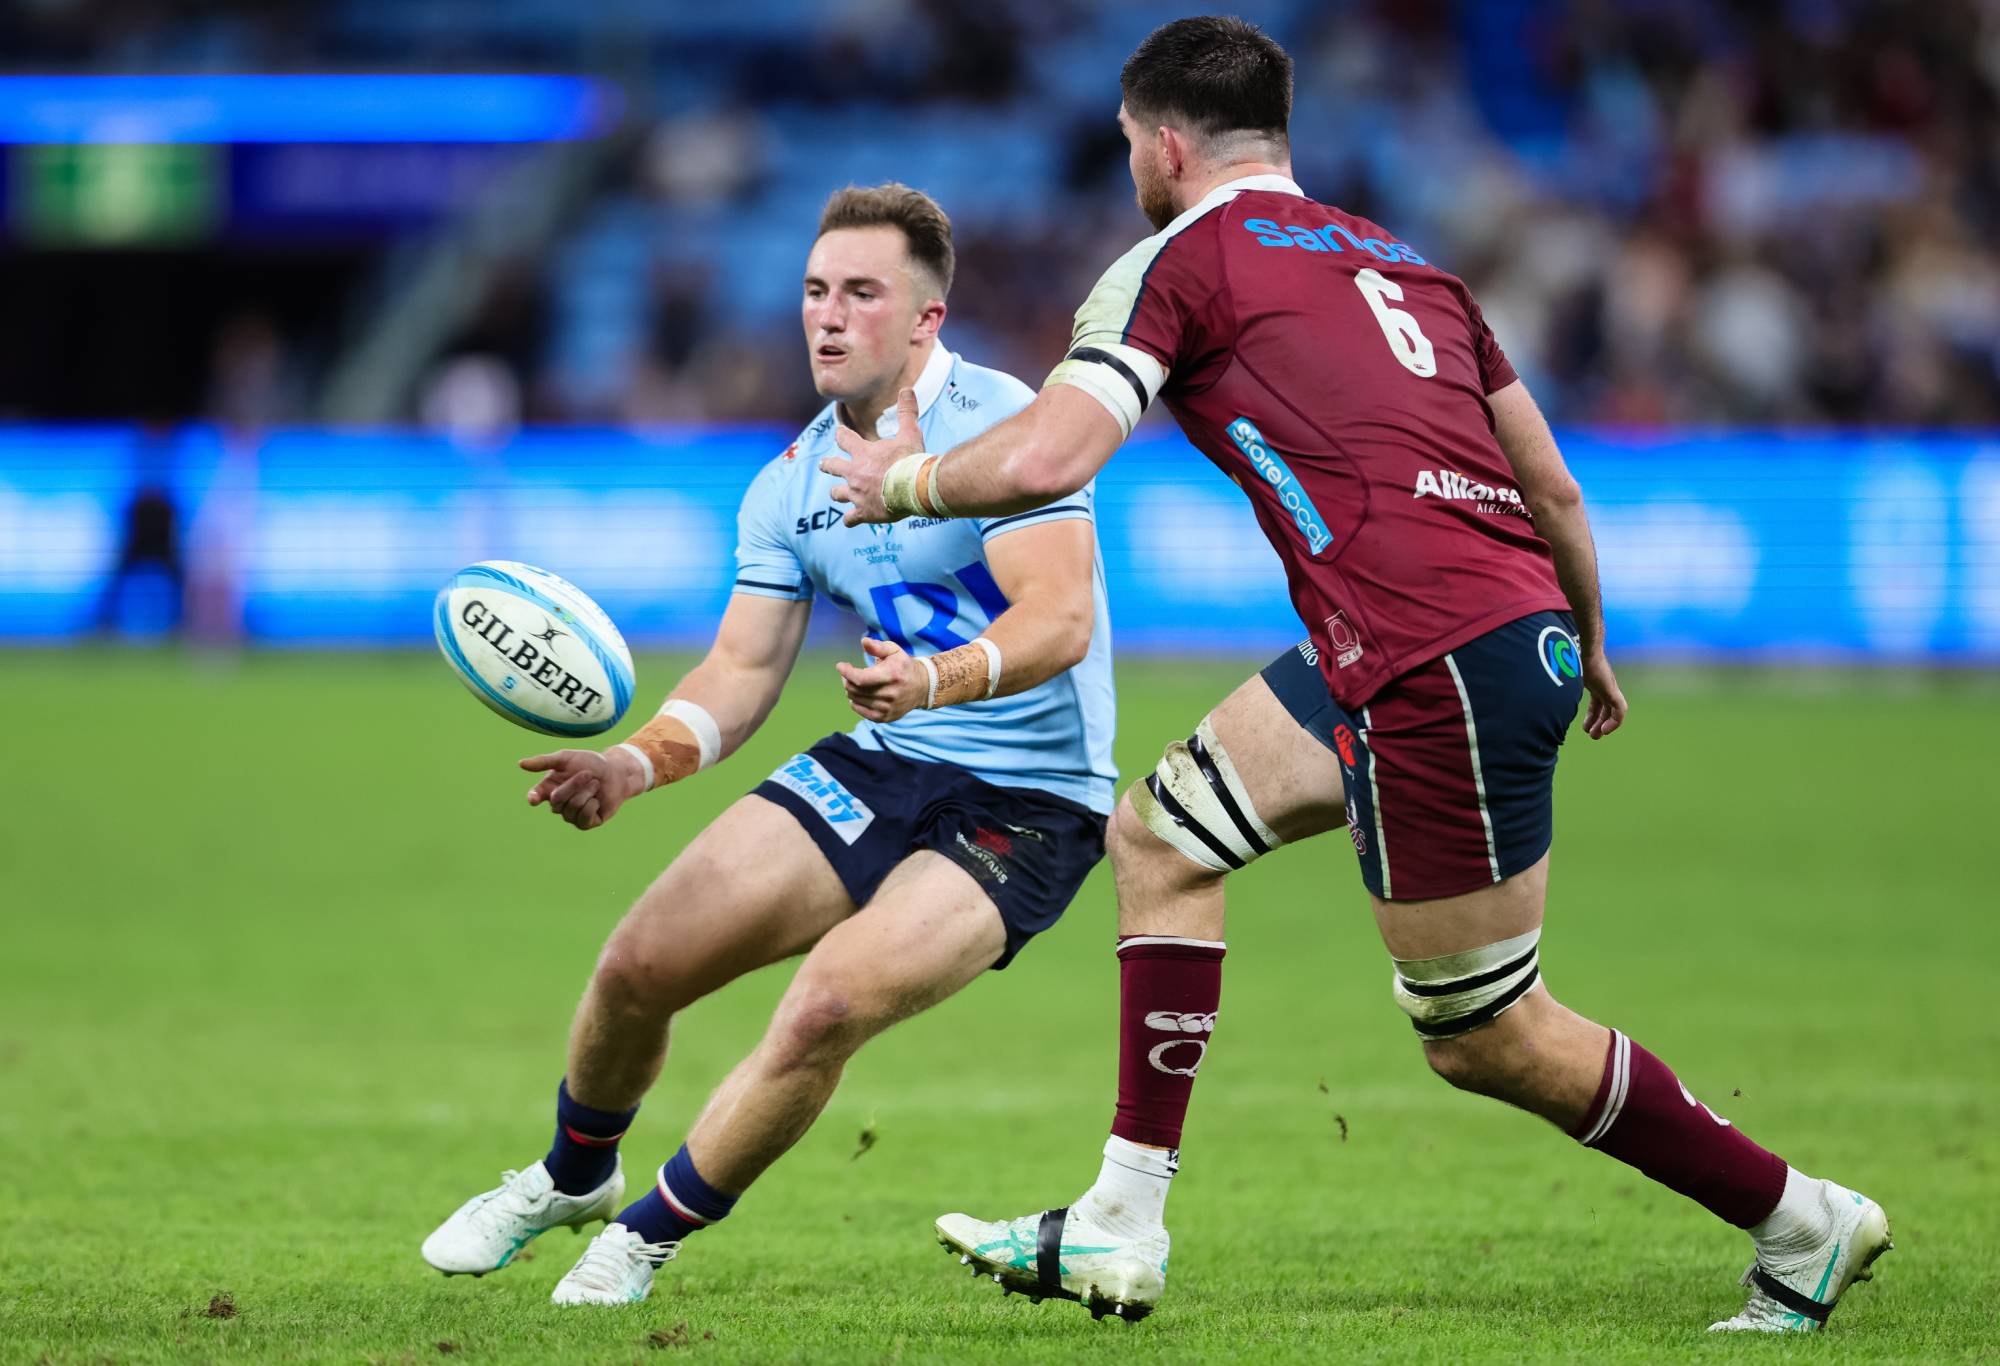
[(1171, 1056)]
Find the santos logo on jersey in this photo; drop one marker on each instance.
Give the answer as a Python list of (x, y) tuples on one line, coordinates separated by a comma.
[(1455, 486), (1270, 233)]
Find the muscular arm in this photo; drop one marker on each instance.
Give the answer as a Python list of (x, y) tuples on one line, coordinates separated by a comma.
[(1049, 449), (738, 681), (736, 684), (1555, 500), (1048, 572)]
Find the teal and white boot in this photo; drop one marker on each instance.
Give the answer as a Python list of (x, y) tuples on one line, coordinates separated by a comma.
[(1797, 1294), (617, 1268), (485, 1232), (1061, 1254)]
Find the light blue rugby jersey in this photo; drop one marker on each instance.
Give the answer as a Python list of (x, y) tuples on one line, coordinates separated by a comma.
[(924, 584)]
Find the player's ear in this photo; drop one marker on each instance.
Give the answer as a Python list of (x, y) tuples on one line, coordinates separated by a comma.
[(930, 317), (1175, 152)]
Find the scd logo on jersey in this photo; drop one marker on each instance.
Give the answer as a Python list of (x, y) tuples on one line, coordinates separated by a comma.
[(1269, 464), (839, 808)]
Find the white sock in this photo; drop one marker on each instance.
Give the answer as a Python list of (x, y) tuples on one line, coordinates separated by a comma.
[(1797, 1226), (1129, 1197)]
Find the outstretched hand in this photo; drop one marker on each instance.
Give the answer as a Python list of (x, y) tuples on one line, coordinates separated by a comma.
[(894, 685), (867, 461), (584, 787)]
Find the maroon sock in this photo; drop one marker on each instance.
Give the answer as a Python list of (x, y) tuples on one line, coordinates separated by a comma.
[(1167, 993), (1645, 1118)]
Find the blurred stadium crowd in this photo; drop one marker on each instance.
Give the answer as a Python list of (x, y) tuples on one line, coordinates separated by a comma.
[(1767, 212)]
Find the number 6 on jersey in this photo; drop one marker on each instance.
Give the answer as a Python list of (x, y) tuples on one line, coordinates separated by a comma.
[(1405, 338)]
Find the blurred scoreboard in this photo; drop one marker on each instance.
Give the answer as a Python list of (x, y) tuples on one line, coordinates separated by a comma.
[(116, 161), (1767, 547)]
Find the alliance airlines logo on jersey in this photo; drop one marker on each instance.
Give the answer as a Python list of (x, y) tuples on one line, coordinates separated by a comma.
[(1278, 475), (1452, 485)]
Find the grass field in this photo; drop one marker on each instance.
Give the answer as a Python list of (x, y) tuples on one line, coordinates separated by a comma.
[(285, 970)]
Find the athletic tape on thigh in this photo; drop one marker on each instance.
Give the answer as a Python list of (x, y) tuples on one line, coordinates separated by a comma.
[(1461, 991), (1196, 802)]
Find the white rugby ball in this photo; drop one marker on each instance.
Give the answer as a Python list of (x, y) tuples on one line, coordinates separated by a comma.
[(534, 648)]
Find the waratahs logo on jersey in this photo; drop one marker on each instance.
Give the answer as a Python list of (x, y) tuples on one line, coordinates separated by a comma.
[(1560, 657)]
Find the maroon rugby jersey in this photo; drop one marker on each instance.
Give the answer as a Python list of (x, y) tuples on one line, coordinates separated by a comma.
[(1341, 380)]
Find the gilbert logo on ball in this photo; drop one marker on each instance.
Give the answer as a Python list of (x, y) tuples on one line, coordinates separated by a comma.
[(534, 648)]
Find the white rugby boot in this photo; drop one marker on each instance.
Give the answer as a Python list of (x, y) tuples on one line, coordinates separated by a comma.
[(617, 1268), (1796, 1295), (1061, 1254), (489, 1229)]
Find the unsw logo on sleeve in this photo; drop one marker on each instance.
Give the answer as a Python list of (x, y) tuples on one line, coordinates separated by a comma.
[(839, 808)]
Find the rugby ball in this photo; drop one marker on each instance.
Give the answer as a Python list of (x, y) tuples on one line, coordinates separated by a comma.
[(534, 648)]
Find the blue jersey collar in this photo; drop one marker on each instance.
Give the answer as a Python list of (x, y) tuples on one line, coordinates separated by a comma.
[(930, 385), (937, 371)]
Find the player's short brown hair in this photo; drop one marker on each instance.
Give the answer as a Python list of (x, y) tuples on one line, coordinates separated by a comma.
[(912, 212), (1214, 73)]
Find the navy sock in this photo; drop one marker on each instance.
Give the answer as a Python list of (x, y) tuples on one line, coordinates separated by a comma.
[(586, 1146), (679, 1203)]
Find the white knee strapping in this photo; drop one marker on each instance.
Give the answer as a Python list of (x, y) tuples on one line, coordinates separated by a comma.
[(1196, 802), (1461, 991)]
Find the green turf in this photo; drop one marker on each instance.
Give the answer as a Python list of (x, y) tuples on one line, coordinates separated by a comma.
[(285, 970)]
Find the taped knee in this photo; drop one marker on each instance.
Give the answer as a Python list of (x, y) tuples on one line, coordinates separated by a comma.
[(1196, 802), (1447, 996)]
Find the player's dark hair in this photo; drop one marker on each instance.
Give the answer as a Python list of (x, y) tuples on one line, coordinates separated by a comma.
[(912, 212), (1215, 73)]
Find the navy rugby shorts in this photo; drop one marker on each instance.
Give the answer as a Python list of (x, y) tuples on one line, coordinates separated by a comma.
[(1449, 769), (868, 810)]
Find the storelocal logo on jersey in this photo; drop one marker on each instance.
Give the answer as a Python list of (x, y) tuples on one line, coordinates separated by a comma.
[(1272, 468), (1452, 485)]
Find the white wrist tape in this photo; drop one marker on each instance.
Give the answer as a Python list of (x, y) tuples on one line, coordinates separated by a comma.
[(930, 672), (695, 717), (645, 763), (899, 486), (992, 663), (938, 509)]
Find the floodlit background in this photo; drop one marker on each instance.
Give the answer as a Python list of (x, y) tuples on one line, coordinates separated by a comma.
[(303, 306), (281, 347)]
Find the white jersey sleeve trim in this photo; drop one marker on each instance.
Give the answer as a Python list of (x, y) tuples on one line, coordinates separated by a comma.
[(1123, 378)]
